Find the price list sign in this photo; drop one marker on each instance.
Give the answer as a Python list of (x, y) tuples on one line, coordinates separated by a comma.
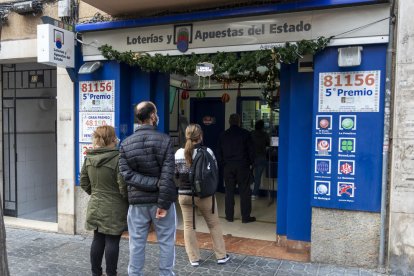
[(89, 121)]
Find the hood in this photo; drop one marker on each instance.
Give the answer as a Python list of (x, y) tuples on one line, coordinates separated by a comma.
[(101, 156)]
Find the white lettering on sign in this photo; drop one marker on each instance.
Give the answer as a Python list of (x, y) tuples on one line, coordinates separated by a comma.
[(96, 95), (357, 91), (204, 69)]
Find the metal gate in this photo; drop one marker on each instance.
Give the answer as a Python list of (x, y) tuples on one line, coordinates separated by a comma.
[(16, 86)]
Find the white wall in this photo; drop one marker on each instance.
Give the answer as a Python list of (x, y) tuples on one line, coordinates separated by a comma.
[(66, 152)]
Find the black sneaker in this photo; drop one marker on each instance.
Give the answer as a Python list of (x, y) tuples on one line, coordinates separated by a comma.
[(229, 219), (223, 260), (249, 219)]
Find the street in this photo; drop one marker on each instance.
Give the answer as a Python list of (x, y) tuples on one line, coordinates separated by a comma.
[(38, 253)]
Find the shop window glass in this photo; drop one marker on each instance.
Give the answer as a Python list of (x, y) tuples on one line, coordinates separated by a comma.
[(254, 110)]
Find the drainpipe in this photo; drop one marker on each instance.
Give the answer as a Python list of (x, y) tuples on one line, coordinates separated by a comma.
[(386, 142)]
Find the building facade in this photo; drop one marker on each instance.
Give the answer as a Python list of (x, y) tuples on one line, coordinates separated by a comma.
[(337, 193)]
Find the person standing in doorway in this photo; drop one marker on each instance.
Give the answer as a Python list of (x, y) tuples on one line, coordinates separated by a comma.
[(147, 166), (108, 206), (235, 151), (183, 161), (261, 140)]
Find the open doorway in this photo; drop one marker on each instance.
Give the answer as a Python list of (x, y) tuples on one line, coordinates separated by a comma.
[(29, 141), (211, 111)]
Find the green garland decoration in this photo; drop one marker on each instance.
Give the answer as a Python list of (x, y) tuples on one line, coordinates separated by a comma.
[(228, 67)]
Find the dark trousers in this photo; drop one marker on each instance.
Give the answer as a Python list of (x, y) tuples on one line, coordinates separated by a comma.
[(110, 245), (238, 175)]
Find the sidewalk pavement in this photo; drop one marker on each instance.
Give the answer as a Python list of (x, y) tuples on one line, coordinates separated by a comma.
[(38, 253)]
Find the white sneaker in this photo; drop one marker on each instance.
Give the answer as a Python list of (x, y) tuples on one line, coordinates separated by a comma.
[(224, 260), (254, 197), (195, 263)]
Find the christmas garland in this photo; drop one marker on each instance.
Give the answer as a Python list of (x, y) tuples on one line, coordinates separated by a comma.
[(257, 66)]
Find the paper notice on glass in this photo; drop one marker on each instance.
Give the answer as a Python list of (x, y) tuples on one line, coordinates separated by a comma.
[(89, 121), (274, 141)]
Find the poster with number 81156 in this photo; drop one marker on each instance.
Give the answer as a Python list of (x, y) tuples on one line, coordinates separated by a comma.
[(357, 91), (96, 95)]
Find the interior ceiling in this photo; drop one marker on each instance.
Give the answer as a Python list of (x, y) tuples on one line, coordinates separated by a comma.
[(123, 7)]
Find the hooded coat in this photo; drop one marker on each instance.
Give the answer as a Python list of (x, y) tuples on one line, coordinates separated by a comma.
[(108, 205)]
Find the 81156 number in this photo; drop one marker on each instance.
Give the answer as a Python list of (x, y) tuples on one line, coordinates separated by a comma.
[(349, 80), (97, 86)]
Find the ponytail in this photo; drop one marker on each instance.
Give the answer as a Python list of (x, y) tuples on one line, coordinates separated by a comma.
[(193, 136), (188, 152)]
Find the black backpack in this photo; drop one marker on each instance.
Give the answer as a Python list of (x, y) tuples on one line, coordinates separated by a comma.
[(204, 176)]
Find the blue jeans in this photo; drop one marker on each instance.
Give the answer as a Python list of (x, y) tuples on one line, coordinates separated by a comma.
[(139, 220), (260, 165)]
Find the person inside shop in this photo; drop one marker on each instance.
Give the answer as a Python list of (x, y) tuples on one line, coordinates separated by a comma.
[(106, 214), (183, 161), (261, 140), (146, 163), (236, 153)]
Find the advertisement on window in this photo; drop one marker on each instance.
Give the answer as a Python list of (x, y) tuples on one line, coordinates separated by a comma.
[(96, 95)]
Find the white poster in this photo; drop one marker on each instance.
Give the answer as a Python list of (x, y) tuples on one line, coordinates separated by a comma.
[(89, 121), (357, 91), (82, 153), (96, 95)]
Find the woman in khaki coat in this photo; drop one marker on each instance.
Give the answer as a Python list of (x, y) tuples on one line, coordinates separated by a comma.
[(108, 206)]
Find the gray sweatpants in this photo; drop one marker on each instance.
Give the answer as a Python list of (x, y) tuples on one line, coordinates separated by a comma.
[(139, 220)]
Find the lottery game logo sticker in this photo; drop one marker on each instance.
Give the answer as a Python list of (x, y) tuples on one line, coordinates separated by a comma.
[(323, 144), (323, 166), (347, 122), (183, 37), (59, 38), (346, 189), (346, 167), (322, 188), (347, 145), (324, 122)]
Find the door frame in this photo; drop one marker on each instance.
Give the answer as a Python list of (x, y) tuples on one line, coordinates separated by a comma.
[(220, 187), (15, 98)]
